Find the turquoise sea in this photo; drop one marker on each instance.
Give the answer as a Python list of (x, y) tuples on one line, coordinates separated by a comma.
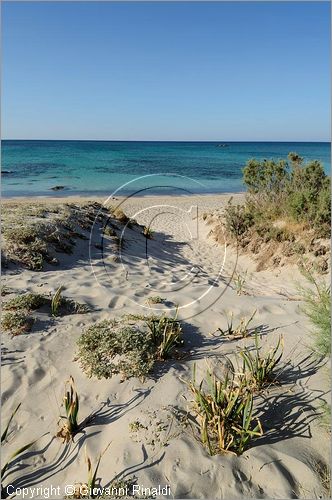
[(32, 168)]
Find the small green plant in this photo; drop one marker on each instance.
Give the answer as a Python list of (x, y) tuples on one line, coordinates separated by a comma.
[(242, 330), (148, 233), (155, 300), (16, 322), (317, 300), (109, 231), (28, 301), (70, 424), (136, 426), (259, 369), (224, 413), (56, 301), (5, 290), (165, 334), (92, 474), (115, 347), (13, 455), (90, 488), (240, 281)]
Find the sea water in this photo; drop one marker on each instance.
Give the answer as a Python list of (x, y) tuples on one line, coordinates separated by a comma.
[(33, 168)]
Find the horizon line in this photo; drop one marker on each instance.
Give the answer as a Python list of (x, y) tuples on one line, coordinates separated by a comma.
[(165, 140)]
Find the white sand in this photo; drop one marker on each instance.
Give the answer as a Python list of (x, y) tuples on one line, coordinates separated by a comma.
[(184, 266)]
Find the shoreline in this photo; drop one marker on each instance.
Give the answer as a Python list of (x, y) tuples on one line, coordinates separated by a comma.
[(101, 199)]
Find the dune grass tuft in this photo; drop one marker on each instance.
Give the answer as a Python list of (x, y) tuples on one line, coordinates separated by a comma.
[(240, 280), (242, 330), (70, 425), (224, 414), (259, 369), (56, 301)]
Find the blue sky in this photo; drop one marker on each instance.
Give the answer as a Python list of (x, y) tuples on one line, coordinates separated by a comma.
[(166, 71)]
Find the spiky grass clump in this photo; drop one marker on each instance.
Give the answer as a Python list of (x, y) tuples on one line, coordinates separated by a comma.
[(224, 413), (317, 302), (92, 489), (242, 330), (165, 335), (29, 301), (259, 370), (70, 425), (129, 346), (16, 322), (56, 301), (240, 282), (6, 464), (61, 305)]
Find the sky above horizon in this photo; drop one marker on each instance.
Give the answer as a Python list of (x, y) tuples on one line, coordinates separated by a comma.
[(252, 71)]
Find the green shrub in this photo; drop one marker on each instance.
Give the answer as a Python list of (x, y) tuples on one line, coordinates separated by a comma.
[(290, 190), (238, 219), (16, 322), (267, 176), (317, 301), (109, 348), (129, 346), (29, 301)]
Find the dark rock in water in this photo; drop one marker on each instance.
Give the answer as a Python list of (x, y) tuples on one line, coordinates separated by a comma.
[(6, 172), (57, 188)]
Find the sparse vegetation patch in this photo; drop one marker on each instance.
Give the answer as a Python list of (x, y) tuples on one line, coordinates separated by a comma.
[(16, 322), (129, 346)]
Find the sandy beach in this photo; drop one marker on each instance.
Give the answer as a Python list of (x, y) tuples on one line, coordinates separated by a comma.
[(144, 421)]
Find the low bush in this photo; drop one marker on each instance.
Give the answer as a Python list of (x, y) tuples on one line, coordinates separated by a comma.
[(129, 346), (16, 322), (29, 301), (289, 190)]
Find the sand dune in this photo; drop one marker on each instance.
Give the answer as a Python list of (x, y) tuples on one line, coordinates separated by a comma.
[(193, 274)]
